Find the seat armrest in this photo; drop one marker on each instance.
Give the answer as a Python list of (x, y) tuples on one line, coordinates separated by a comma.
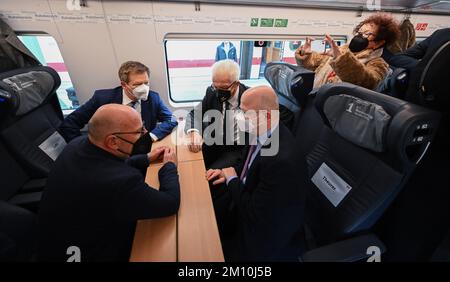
[(349, 250)]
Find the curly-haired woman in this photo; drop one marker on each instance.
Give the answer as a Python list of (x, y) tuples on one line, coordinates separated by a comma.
[(360, 61)]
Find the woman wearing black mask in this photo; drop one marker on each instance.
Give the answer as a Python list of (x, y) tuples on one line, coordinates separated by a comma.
[(360, 61)]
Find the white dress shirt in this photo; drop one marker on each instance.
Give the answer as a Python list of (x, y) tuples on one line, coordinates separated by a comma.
[(126, 101)]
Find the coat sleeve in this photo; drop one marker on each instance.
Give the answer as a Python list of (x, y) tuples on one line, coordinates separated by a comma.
[(312, 61), (140, 162), (166, 119), (139, 201), (350, 69), (194, 120), (73, 123)]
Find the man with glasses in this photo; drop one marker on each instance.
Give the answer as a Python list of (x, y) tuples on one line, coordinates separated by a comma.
[(96, 192), (212, 127), (134, 91), (221, 147), (265, 192)]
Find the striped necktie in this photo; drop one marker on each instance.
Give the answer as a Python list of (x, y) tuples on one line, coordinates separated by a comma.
[(133, 104), (247, 161)]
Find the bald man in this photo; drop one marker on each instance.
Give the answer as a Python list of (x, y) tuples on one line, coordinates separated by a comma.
[(264, 202), (96, 192)]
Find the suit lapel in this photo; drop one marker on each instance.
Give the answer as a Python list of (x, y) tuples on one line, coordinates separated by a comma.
[(145, 110), (118, 95), (255, 164)]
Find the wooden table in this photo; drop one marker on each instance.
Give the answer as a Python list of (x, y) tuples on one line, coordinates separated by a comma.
[(192, 234)]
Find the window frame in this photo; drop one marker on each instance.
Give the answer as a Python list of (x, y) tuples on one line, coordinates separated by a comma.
[(230, 37), (65, 112)]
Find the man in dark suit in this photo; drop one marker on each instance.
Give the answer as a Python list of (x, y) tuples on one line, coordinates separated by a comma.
[(423, 50), (96, 192), (221, 147), (134, 92), (266, 191), (416, 60)]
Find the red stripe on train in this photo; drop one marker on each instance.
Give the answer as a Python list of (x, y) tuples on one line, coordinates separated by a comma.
[(59, 67)]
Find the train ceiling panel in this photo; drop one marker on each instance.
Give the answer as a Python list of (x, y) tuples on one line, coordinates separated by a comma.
[(414, 6)]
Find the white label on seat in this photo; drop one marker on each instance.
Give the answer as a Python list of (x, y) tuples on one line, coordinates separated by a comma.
[(331, 184), (53, 145)]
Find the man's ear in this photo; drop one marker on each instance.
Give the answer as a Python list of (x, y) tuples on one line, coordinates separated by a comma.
[(110, 142)]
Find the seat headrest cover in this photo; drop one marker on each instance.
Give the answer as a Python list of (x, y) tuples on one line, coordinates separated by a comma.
[(291, 81), (358, 121), (405, 136), (32, 88)]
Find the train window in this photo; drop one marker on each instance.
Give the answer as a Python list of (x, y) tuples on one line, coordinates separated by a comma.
[(189, 61), (46, 50)]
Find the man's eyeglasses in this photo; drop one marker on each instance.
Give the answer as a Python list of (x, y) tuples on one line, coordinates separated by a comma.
[(222, 88), (142, 131)]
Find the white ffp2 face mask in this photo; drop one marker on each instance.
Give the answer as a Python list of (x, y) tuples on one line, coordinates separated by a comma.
[(245, 125), (141, 92)]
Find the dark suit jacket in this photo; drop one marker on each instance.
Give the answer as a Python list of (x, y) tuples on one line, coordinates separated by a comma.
[(210, 102), (415, 59), (93, 199), (421, 51), (268, 208), (152, 111)]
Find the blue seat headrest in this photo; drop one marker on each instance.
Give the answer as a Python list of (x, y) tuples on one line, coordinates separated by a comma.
[(293, 82), (398, 128), (28, 88)]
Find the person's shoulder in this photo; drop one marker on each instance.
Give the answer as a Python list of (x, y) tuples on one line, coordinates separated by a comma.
[(284, 144), (441, 32), (209, 94), (244, 87), (153, 96), (107, 93), (74, 146)]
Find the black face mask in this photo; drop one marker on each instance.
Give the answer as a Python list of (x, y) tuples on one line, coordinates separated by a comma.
[(358, 43), (142, 146), (223, 95)]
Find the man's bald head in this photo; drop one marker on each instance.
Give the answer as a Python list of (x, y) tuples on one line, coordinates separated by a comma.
[(259, 98), (112, 118)]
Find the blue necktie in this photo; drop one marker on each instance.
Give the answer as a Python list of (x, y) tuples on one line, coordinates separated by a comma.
[(247, 161), (132, 104)]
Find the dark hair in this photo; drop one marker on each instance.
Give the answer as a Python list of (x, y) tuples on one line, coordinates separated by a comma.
[(131, 67), (388, 27)]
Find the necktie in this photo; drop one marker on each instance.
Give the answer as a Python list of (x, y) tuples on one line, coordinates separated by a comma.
[(225, 117), (132, 104), (247, 161)]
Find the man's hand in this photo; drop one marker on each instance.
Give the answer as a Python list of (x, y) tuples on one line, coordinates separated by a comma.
[(229, 172), (304, 50), (156, 154), (169, 156), (216, 174), (335, 51), (220, 175), (195, 142)]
